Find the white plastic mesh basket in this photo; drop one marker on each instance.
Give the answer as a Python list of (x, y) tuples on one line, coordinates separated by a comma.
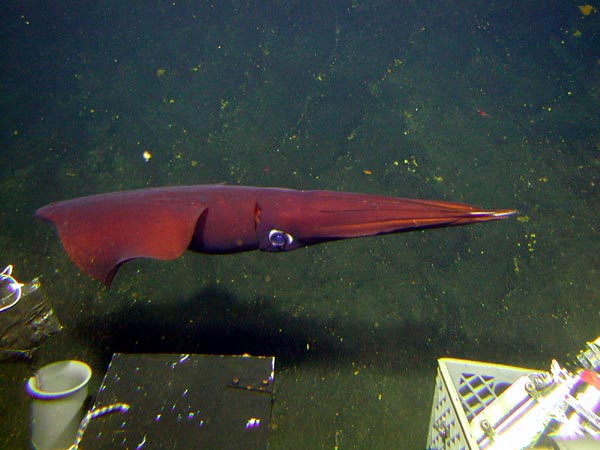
[(462, 390)]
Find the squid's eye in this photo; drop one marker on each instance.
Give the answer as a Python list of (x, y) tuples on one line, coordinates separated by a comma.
[(279, 238)]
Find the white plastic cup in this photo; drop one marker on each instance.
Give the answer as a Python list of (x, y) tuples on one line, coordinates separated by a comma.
[(59, 391)]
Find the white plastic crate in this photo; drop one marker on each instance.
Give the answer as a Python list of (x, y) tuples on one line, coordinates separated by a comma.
[(462, 390)]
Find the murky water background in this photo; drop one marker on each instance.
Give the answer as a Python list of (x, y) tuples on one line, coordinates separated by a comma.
[(378, 97)]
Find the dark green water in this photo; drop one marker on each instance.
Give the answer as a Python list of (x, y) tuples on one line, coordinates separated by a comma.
[(375, 97)]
